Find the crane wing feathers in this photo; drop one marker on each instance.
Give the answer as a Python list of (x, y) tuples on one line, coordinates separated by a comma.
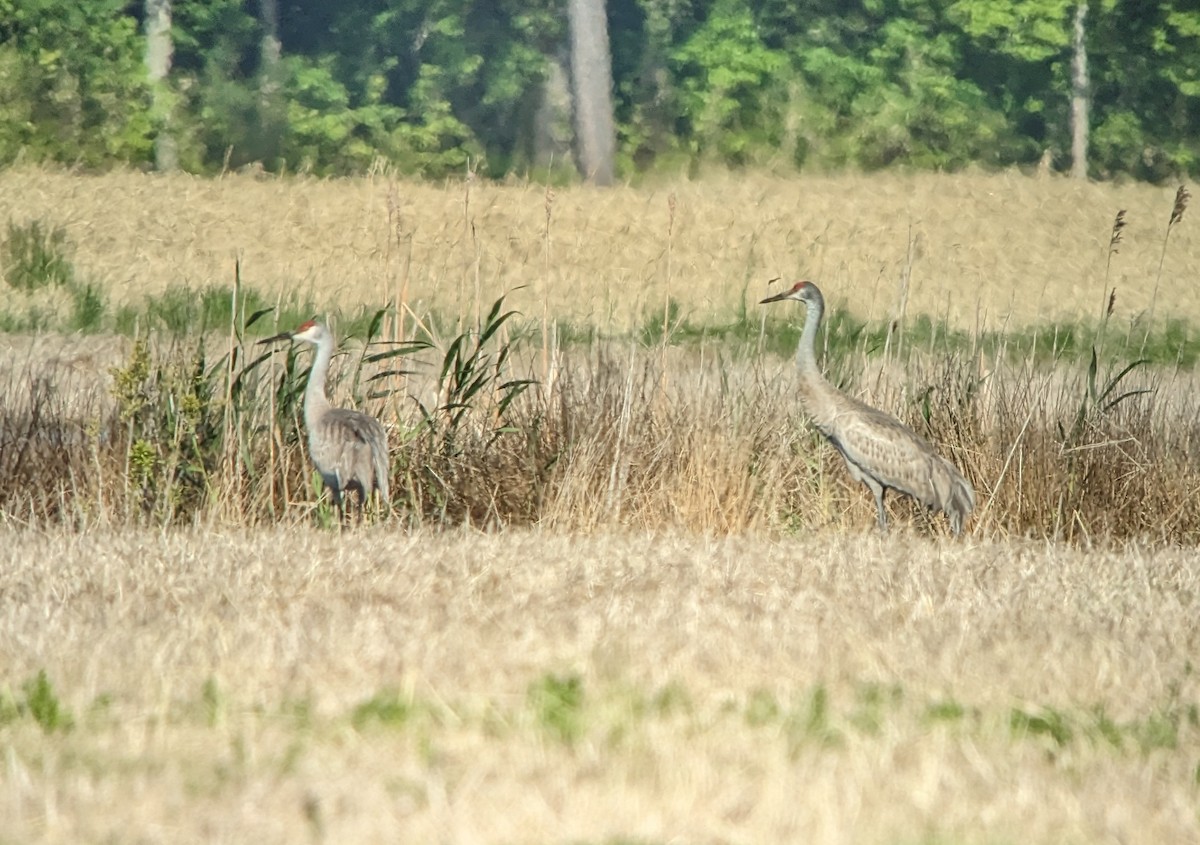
[(352, 446), (353, 425), (880, 446)]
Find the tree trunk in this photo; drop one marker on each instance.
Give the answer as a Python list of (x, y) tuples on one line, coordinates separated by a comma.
[(270, 50), (552, 133), (1079, 98), (158, 67), (266, 147), (591, 72)]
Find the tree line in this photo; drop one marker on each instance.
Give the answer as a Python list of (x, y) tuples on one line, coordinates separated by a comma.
[(1106, 88)]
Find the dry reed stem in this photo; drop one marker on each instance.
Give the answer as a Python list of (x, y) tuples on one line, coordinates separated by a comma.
[(292, 629), (1182, 196)]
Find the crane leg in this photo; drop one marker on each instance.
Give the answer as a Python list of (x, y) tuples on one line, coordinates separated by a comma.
[(338, 504), (881, 513)]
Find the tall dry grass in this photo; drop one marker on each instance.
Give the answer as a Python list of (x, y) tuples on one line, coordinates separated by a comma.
[(721, 446)]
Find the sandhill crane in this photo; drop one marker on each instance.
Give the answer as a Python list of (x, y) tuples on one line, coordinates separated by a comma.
[(880, 451), (349, 448)]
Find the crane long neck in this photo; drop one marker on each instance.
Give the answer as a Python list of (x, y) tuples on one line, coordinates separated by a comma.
[(314, 393), (806, 356)]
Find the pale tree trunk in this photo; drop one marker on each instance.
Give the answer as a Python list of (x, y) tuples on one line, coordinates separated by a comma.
[(266, 149), (591, 77), (270, 51), (552, 133), (1079, 98), (158, 67)]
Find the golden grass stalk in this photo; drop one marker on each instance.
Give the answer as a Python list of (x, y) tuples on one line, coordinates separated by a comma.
[(666, 327), (895, 325), (666, 321), (1107, 298), (547, 283), (1182, 195)]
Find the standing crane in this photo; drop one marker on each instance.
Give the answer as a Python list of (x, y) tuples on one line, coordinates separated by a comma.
[(880, 451), (349, 448)]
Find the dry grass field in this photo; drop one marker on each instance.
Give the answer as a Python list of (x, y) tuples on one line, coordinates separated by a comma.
[(523, 687), (987, 251), (642, 602)]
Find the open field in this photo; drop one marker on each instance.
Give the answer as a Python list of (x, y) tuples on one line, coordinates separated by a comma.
[(296, 685), (676, 624), (621, 428), (987, 252)]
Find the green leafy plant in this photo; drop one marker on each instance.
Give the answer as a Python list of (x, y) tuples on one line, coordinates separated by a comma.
[(41, 702), (762, 708), (188, 418), (812, 723), (557, 702), (1046, 722), (87, 308), (212, 702), (36, 255), (388, 708), (473, 376), (1100, 398)]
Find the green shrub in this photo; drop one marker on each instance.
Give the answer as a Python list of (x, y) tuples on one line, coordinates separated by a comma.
[(35, 256)]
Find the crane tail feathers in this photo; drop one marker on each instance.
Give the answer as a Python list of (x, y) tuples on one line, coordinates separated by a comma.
[(955, 494), (379, 460)]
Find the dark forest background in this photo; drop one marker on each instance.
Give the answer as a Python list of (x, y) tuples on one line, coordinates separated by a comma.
[(436, 86)]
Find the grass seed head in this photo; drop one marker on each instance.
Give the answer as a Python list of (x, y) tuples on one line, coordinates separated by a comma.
[(1181, 201), (1117, 228)]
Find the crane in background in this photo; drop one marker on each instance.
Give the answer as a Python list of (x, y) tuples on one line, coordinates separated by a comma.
[(349, 448), (880, 451)]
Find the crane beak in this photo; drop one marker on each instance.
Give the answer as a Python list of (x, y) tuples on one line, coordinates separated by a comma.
[(776, 297), (278, 337)]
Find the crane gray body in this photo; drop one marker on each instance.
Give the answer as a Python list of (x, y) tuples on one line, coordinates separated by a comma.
[(348, 447), (879, 450)]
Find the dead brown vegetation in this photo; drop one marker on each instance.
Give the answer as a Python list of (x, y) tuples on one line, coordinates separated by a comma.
[(627, 432), (623, 435)]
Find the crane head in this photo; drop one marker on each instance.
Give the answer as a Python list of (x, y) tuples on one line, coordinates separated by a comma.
[(310, 331), (802, 290)]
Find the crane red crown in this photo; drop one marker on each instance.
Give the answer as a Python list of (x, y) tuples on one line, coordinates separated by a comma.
[(305, 326)]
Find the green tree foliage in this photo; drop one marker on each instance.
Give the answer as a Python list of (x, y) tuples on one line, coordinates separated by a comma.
[(430, 85), (1148, 90), (891, 91), (72, 84), (728, 90)]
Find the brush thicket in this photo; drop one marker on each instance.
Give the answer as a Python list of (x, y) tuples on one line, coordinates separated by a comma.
[(722, 447)]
